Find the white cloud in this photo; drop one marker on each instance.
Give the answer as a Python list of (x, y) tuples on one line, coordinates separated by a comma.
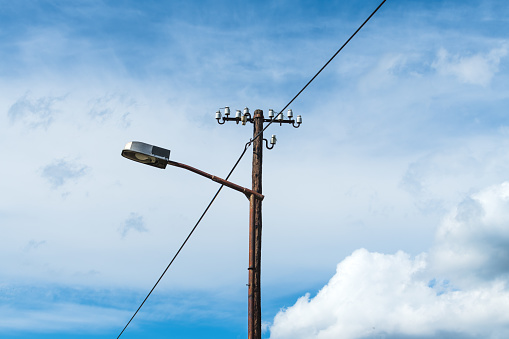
[(112, 105), (396, 295), (134, 222), (34, 112), (61, 171), (162, 85), (33, 245), (473, 240), (477, 69), (61, 317)]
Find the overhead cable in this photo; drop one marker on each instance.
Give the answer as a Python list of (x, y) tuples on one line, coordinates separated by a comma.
[(185, 241), (321, 69)]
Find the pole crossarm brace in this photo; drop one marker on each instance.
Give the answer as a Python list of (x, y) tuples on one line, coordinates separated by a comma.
[(227, 183), (246, 117)]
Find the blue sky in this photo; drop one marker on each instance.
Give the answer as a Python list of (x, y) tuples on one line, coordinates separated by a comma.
[(385, 213)]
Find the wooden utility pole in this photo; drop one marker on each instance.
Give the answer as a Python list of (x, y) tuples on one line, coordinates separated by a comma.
[(255, 233), (255, 203)]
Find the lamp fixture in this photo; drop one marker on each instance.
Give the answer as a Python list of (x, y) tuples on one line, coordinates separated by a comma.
[(146, 154)]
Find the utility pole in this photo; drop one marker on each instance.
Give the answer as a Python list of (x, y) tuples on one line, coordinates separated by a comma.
[(255, 206), (255, 233)]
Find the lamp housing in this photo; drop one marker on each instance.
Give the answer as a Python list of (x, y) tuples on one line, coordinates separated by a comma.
[(146, 154)]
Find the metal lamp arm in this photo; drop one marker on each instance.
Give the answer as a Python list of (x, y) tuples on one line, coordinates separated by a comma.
[(230, 184)]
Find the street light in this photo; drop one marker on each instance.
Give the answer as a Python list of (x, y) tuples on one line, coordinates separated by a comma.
[(146, 154), (160, 157)]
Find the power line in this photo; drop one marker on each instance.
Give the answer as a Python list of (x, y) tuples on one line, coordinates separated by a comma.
[(185, 241), (321, 69), (238, 161)]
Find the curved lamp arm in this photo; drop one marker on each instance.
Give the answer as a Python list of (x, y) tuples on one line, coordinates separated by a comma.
[(160, 157), (230, 184)]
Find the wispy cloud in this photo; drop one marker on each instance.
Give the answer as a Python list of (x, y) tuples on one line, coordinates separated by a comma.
[(476, 69), (33, 245), (133, 222), (34, 112), (60, 309), (109, 106), (60, 317), (61, 171)]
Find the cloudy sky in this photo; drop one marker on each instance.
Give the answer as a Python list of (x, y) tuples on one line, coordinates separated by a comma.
[(386, 213)]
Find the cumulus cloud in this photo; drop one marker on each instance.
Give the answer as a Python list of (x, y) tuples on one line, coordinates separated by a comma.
[(473, 241), (34, 112), (458, 289), (133, 222), (61, 171), (477, 69)]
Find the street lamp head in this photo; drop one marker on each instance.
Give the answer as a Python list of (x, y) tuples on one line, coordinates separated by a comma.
[(146, 154)]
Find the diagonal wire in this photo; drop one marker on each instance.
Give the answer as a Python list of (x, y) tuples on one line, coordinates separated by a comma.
[(320, 71), (185, 241), (238, 161)]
